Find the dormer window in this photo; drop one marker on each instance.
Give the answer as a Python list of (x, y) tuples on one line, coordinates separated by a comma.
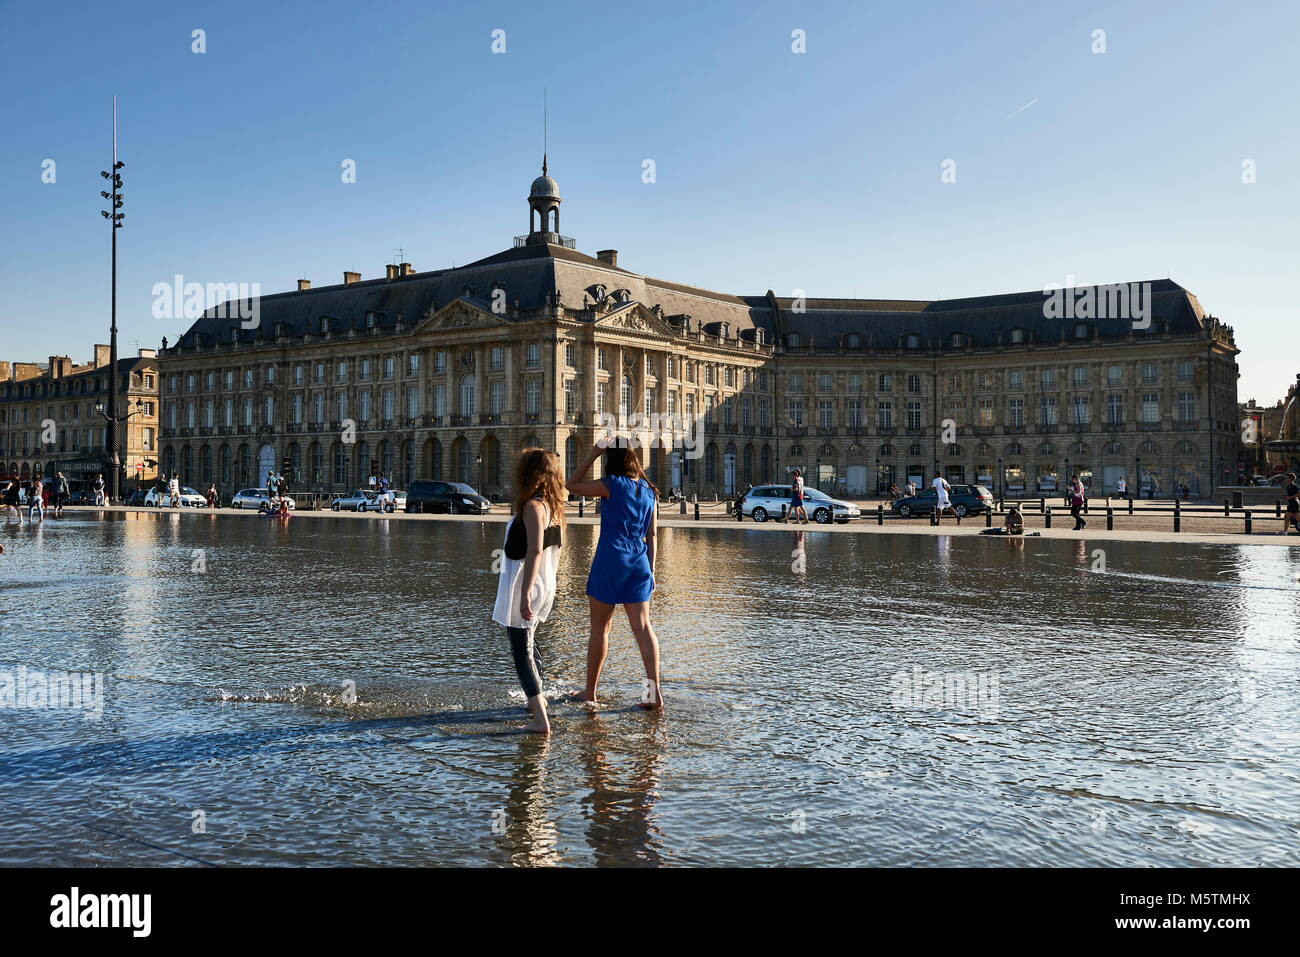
[(370, 320), (855, 340), (1017, 336), (912, 341), (1082, 330), (792, 340), (957, 340), (760, 336)]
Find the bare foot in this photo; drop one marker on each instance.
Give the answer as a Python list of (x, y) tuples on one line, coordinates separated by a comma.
[(580, 696), (537, 727), (656, 705)]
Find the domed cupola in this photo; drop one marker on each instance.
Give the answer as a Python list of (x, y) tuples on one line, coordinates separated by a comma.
[(544, 211)]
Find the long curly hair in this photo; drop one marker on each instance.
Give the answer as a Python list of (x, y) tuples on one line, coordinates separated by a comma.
[(538, 473)]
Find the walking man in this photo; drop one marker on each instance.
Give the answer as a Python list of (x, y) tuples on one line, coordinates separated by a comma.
[(1121, 488), (99, 490), (174, 491), (60, 493)]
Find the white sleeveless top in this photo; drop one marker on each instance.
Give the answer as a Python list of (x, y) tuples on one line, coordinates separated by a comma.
[(510, 584)]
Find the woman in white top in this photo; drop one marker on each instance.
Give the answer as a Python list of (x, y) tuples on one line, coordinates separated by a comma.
[(526, 588)]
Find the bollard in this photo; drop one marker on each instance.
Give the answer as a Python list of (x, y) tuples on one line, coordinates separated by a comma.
[(1085, 505), (1277, 506), (683, 506), (1042, 503), (580, 501), (1247, 521), (1225, 508), (596, 509), (880, 515), (697, 511), (988, 518), (1110, 519), (740, 511), (1047, 512), (1130, 504), (1178, 517), (782, 511)]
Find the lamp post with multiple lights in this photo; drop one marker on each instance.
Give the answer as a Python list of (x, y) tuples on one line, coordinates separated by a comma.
[(112, 461)]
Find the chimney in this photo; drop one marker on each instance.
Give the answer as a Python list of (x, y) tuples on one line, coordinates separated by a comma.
[(148, 353), (102, 354), (4, 371), (406, 269), (350, 277), (608, 256), (304, 285), (392, 271)]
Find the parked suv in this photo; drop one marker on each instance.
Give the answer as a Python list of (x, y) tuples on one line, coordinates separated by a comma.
[(965, 499), (451, 497), (764, 501)]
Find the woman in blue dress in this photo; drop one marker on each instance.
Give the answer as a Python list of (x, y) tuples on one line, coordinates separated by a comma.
[(622, 573)]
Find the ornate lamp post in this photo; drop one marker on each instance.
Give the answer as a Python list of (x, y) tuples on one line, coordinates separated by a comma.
[(112, 461)]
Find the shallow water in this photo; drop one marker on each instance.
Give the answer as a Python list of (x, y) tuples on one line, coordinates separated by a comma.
[(1061, 714)]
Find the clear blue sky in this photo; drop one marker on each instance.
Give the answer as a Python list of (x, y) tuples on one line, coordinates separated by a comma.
[(818, 171)]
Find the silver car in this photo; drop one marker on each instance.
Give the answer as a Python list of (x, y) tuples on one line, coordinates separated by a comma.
[(256, 498), (766, 501), (358, 500)]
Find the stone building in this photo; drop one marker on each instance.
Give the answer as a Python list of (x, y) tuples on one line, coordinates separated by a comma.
[(448, 373), (49, 423)]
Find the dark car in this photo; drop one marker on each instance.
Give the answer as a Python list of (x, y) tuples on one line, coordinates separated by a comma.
[(455, 498), (965, 499)]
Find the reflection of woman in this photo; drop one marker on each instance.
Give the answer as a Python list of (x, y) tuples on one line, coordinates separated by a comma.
[(622, 572), (621, 826)]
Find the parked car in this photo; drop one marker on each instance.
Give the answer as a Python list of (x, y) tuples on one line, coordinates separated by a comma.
[(455, 498), (189, 498), (255, 498), (398, 503), (965, 499), (764, 501), (358, 500)]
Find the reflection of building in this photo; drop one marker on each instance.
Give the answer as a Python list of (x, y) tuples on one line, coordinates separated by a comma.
[(48, 421), (446, 374)]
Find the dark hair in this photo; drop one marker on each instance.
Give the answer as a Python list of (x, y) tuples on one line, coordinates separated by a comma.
[(623, 460)]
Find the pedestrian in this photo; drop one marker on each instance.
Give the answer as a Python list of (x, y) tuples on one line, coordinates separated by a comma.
[(12, 500), (384, 497), (622, 571), (212, 495), (99, 490), (526, 586), (942, 502), (36, 499), (1076, 501), (894, 493), (1121, 488), (174, 491), (61, 493), (797, 509), (911, 489), (1292, 513)]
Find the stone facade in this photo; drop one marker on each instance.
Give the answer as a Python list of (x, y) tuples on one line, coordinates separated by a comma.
[(447, 374), (64, 394)]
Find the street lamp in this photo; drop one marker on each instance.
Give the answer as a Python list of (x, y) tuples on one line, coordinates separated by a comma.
[(112, 461)]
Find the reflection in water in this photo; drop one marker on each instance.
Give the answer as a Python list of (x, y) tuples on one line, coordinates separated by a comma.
[(1139, 701)]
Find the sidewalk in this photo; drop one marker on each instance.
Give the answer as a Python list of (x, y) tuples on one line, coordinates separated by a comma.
[(1197, 529)]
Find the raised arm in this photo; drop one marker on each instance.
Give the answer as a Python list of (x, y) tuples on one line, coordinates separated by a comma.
[(579, 484)]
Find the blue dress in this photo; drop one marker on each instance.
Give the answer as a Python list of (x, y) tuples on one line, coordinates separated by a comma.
[(620, 572)]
